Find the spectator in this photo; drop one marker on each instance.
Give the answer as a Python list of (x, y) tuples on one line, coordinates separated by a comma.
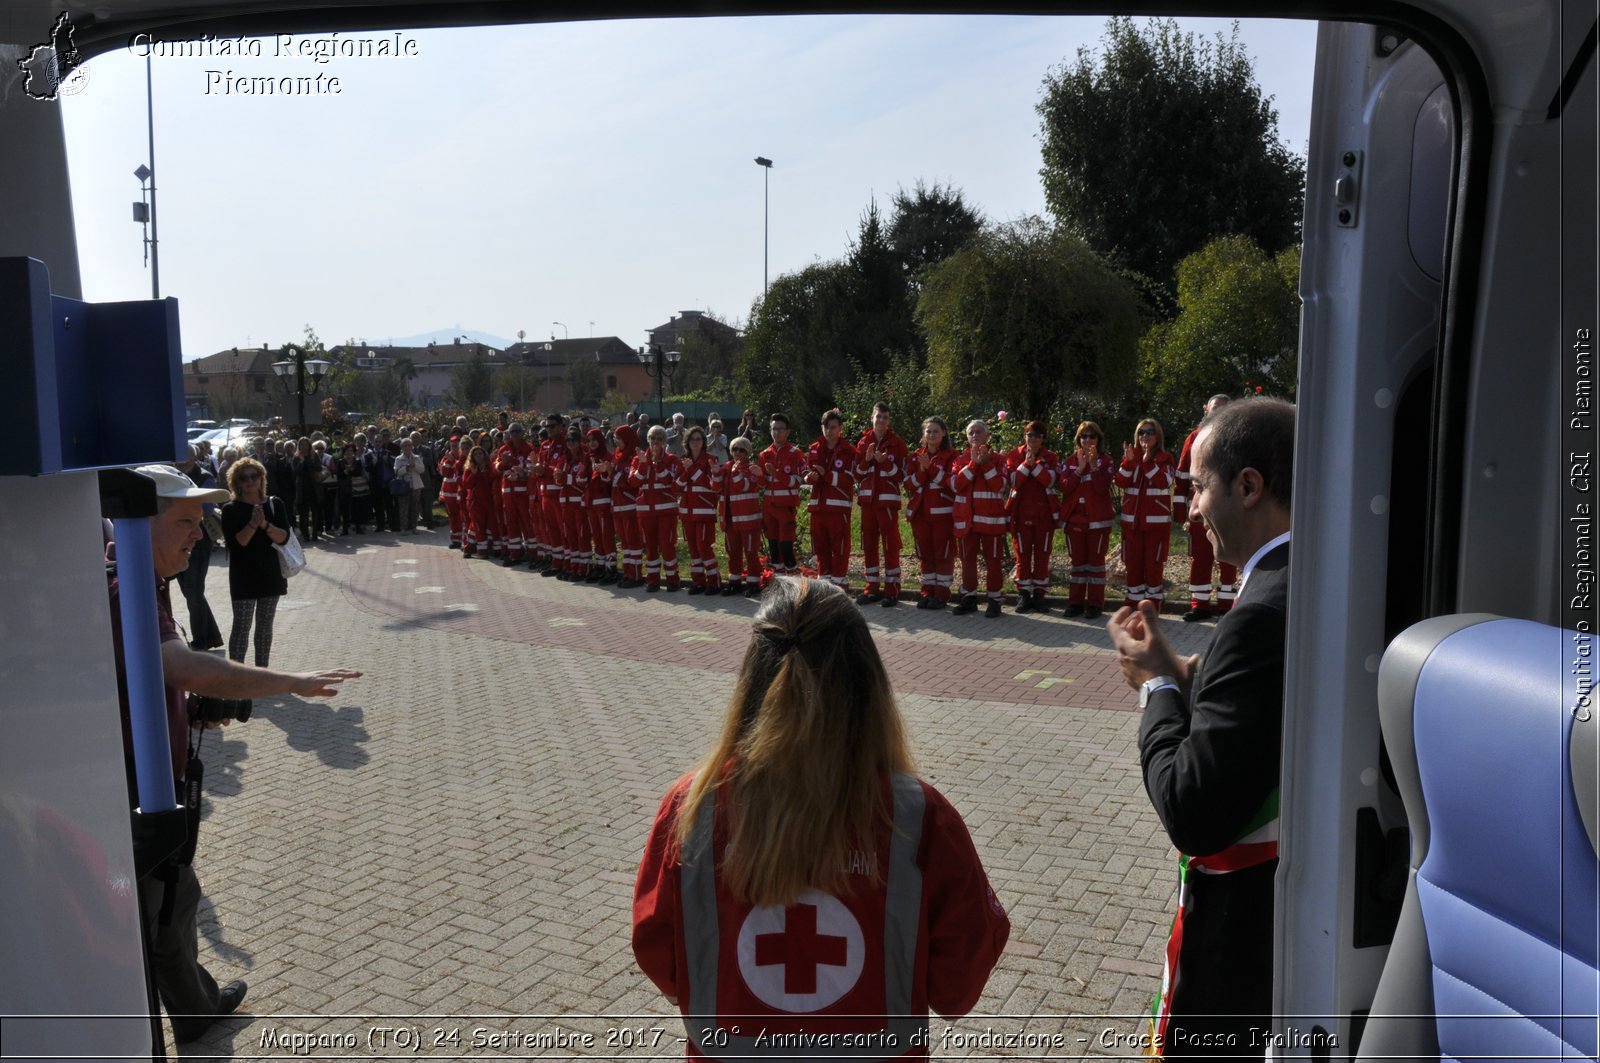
[(408, 470), (203, 631), (169, 896), (251, 523), (348, 474), (461, 425), (228, 456), (677, 436), (430, 455), (748, 426), (308, 492), (808, 808), (327, 479), (717, 441)]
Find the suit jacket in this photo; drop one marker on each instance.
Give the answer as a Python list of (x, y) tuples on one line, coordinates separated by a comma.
[(1210, 762)]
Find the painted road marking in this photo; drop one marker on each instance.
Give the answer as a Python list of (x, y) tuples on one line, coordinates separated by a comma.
[(567, 621), (404, 575), (430, 590), (689, 635)]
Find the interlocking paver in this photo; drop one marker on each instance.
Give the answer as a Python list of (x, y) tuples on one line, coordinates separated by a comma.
[(456, 834)]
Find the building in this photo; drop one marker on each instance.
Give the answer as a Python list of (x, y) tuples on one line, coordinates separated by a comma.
[(549, 366), (675, 334), (235, 383), (429, 372)]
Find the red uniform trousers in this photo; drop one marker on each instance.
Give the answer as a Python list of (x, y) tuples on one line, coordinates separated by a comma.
[(660, 545), (626, 520), (1034, 531), (830, 538), (455, 510), (603, 534), (700, 533), (936, 552), (539, 544), (575, 528), (1201, 557), (880, 526), (514, 519), (483, 534), (993, 547), (779, 525), (1087, 548), (743, 539), (554, 528), (1144, 553)]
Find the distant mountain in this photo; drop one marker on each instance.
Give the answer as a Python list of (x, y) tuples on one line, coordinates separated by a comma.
[(440, 336)]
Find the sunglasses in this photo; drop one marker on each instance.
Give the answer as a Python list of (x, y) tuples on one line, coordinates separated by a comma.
[(246, 477), (1147, 431)]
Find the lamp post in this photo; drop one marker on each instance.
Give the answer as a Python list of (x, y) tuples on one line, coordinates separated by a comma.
[(301, 367), (522, 376), (564, 333), (660, 365), (766, 172)]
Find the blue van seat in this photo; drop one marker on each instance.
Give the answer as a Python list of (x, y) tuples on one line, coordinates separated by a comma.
[(1497, 953)]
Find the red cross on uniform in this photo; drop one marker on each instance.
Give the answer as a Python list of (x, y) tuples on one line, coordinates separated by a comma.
[(800, 949)]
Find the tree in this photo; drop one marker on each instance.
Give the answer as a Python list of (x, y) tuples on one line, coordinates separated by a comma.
[(1164, 145), (404, 371), (710, 355), (1237, 329), (929, 225), (585, 381), (471, 382), (905, 386), (1024, 315)]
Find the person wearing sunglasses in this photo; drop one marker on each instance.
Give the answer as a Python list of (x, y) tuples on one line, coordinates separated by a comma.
[(1087, 514), (251, 523), (1146, 476)]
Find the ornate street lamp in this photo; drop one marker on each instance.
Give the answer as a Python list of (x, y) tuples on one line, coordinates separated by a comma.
[(660, 365), (301, 367)]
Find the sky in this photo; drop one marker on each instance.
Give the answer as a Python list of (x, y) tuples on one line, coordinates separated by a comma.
[(598, 174)]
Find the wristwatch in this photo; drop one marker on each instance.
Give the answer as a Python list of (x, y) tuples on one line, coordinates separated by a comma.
[(1150, 686)]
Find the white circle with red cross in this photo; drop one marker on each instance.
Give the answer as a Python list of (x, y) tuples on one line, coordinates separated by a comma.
[(803, 957)]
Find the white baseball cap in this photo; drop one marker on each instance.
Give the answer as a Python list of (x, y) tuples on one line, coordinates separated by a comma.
[(171, 483)]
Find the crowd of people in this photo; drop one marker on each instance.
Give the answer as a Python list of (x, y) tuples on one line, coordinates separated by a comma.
[(586, 502)]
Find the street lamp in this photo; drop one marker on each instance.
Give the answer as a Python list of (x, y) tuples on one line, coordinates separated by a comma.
[(766, 172), (522, 376), (660, 365), (301, 367), (564, 333), (144, 211)]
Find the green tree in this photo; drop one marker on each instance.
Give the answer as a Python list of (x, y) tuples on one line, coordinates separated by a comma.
[(710, 357), (928, 225), (905, 385), (1024, 315), (404, 371), (1237, 329), (1163, 145), (471, 382), (585, 381)]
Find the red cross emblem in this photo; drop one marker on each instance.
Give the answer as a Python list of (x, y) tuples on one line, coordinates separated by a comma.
[(800, 949), (802, 957)]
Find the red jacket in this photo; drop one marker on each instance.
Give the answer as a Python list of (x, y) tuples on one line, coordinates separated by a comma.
[(933, 493), (575, 478), (478, 488), (511, 461), (450, 475), (980, 504), (823, 965), (1032, 484), (741, 497), (1086, 502), (1146, 491), (1184, 490), (879, 480), (624, 492), (701, 488), (656, 481), (836, 479), (782, 486), (552, 455)]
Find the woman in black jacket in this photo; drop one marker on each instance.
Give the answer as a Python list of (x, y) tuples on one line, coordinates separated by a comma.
[(251, 524)]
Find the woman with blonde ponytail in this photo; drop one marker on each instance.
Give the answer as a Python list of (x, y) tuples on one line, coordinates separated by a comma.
[(803, 882)]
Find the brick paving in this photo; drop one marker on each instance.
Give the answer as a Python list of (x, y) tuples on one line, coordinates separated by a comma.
[(448, 847)]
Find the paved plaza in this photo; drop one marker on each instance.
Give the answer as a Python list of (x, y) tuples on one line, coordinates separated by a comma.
[(440, 861)]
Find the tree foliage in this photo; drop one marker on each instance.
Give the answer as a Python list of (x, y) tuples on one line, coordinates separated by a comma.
[(586, 382), (1237, 330), (471, 382), (928, 225), (817, 328), (710, 356), (904, 385), (1023, 315), (1164, 144)]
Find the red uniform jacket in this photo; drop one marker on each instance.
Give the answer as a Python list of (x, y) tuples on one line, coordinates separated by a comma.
[(836, 479), (624, 493), (450, 476), (980, 504), (881, 478), (701, 487), (575, 478), (783, 488), (1184, 491), (933, 493), (741, 497), (1086, 502), (552, 453), (1032, 484), (511, 461), (820, 966), (478, 488), (1146, 491), (656, 481)]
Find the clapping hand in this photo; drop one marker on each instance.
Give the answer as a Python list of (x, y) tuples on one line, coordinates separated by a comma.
[(1129, 452)]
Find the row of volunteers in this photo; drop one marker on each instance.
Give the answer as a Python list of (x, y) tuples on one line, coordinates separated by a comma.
[(563, 504)]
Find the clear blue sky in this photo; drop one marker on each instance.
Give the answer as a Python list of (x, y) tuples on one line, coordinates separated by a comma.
[(504, 179)]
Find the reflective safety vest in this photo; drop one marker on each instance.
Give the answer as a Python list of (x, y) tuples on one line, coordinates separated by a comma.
[(799, 962), (1146, 492), (741, 496)]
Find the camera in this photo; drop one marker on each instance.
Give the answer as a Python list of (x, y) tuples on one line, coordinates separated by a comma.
[(215, 710)]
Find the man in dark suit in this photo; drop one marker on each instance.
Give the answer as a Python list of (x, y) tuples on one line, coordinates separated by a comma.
[(1210, 741)]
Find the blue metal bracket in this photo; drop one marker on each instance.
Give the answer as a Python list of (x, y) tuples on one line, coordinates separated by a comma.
[(94, 385)]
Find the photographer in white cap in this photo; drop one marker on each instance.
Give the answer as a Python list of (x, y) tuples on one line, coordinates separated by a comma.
[(191, 996)]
